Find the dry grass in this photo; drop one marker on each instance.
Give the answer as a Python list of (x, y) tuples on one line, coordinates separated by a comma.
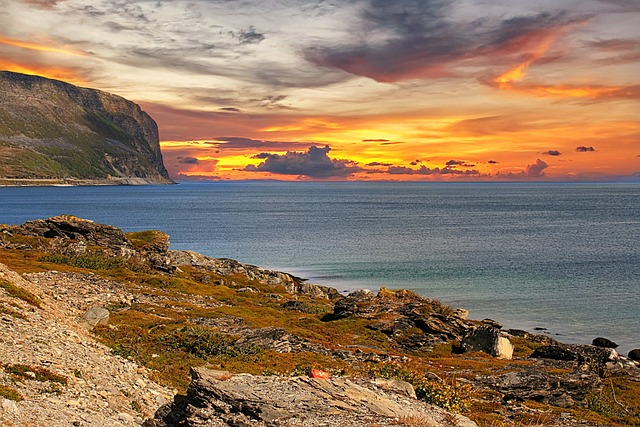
[(20, 293)]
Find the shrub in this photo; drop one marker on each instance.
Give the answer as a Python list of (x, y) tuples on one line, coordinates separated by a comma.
[(204, 343), (451, 396)]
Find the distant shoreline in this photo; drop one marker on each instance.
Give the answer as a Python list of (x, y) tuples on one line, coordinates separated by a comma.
[(66, 182)]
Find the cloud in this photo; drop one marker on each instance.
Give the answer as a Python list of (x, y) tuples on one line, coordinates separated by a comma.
[(250, 36), (583, 149), (453, 163), (237, 143), (423, 170), (374, 164), (315, 163), (188, 160), (536, 169), (552, 153), (44, 4), (417, 39), (231, 109), (493, 162), (375, 140)]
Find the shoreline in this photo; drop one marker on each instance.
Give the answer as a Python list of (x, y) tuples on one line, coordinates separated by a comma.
[(555, 331), (73, 182)]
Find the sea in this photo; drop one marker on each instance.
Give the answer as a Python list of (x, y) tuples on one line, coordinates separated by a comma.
[(556, 258)]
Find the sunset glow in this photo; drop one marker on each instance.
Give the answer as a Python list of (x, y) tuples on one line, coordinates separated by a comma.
[(364, 90)]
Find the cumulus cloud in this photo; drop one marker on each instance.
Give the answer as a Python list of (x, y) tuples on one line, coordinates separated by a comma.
[(584, 149), (552, 153), (315, 163), (536, 169)]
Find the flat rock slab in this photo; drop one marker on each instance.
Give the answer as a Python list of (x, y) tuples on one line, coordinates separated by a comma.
[(216, 398)]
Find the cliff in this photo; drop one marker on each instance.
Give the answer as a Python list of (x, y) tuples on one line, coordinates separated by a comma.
[(97, 325), (54, 132)]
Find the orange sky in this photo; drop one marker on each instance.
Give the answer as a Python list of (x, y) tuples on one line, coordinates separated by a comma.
[(357, 90)]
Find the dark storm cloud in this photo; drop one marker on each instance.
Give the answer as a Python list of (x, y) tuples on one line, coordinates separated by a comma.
[(315, 163), (552, 153), (424, 42), (536, 169), (231, 143), (583, 149)]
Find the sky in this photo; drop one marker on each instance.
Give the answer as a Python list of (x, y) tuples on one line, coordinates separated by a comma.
[(416, 90)]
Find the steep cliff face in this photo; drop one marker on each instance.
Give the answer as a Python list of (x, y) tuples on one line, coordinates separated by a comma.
[(54, 130)]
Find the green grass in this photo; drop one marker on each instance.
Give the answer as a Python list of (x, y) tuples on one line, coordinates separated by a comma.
[(20, 293), (92, 261)]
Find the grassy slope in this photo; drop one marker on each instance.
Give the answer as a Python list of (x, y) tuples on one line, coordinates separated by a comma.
[(160, 336)]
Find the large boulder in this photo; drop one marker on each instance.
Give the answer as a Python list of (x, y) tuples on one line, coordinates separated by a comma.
[(488, 339), (95, 316), (604, 343)]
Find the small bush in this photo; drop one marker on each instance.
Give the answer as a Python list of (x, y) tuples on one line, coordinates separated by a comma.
[(204, 343), (18, 292), (10, 393), (451, 396)]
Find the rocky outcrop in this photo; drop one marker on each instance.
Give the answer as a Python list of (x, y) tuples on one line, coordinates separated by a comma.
[(72, 236), (584, 357), (414, 322), (533, 383), (218, 398), (223, 267), (54, 132)]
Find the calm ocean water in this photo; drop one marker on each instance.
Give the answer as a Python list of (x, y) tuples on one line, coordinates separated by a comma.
[(565, 257)]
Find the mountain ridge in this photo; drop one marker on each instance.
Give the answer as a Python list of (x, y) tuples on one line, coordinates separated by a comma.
[(52, 132)]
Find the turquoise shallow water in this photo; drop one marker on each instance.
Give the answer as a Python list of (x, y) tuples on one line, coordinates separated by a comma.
[(560, 256)]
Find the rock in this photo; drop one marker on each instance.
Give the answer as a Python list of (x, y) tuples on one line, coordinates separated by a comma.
[(604, 343), (8, 406), (95, 316), (533, 383), (584, 357), (216, 398), (489, 340), (635, 354)]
